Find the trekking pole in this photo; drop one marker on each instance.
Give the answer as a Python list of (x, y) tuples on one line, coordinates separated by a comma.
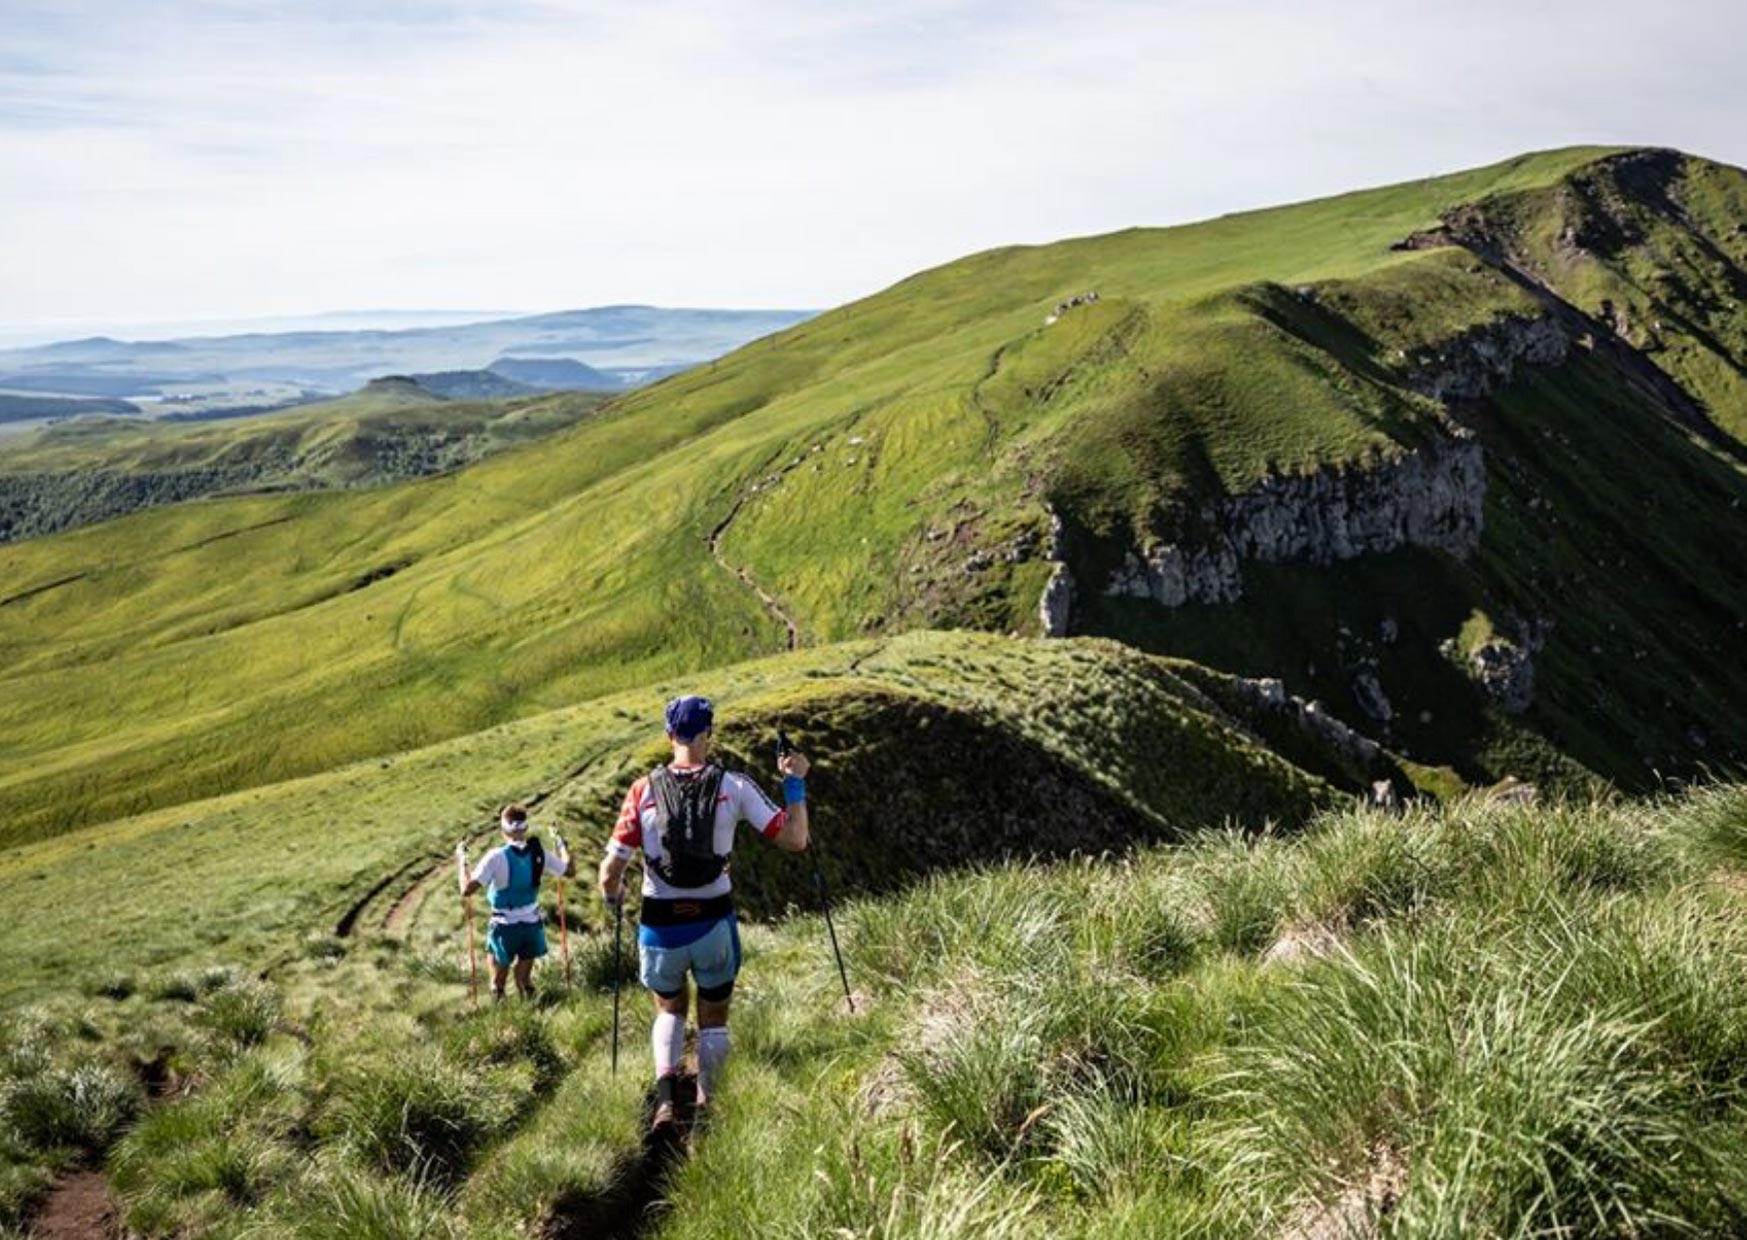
[(563, 929), (825, 903), (467, 916), (618, 971), (782, 751)]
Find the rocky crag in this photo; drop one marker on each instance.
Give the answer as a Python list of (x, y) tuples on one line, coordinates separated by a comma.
[(1427, 497)]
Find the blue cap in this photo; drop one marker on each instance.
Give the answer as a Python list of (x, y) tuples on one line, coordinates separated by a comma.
[(688, 716)]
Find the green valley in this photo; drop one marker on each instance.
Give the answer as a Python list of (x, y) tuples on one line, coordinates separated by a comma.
[(895, 463), (80, 472), (1277, 740)]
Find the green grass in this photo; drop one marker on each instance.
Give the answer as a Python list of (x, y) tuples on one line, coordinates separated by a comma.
[(1108, 748), (86, 471), (1479, 1019), (363, 624), (1109, 984)]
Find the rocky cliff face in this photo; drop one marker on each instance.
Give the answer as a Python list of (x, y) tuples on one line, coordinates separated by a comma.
[(1430, 497), (1480, 361), (1427, 497)]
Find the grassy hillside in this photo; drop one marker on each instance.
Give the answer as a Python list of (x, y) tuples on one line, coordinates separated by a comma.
[(1107, 748), (1485, 1020), (891, 464), (92, 470)]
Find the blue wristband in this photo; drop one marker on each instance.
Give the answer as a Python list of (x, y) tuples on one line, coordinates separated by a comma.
[(794, 790)]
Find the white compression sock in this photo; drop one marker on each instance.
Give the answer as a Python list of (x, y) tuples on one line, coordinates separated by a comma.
[(712, 1054), (668, 1039)]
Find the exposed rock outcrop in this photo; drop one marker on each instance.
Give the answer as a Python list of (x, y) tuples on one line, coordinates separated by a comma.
[(1368, 693), (1315, 738), (1430, 497), (1479, 361), (1055, 607), (1505, 671)]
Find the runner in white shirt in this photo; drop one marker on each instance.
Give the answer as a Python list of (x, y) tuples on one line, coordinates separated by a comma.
[(681, 819), (513, 872)]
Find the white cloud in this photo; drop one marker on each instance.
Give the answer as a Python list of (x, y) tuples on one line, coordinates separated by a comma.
[(221, 157)]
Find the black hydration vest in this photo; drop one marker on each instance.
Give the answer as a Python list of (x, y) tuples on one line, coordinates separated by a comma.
[(685, 818)]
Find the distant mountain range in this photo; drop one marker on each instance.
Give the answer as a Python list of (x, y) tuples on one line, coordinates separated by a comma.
[(606, 348)]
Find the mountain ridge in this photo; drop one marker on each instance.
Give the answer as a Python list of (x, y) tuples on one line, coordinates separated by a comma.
[(896, 463)]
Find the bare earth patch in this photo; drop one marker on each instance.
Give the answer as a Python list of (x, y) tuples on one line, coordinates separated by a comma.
[(1298, 944), (1360, 1209), (78, 1208)]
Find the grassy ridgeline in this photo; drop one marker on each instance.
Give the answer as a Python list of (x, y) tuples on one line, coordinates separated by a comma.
[(1488, 1020), (1098, 747), (883, 466)]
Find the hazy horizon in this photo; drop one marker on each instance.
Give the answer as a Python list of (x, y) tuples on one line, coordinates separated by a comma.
[(29, 335)]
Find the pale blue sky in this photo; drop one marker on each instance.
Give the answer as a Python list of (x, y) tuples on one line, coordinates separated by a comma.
[(181, 159)]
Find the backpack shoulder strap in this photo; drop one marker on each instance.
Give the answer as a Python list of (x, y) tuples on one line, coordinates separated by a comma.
[(537, 855), (667, 794)]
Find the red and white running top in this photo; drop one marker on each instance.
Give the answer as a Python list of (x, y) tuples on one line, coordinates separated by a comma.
[(738, 800)]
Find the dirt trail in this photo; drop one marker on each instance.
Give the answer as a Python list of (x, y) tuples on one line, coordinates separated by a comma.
[(348, 921), (635, 1205), (78, 1208), (770, 604)]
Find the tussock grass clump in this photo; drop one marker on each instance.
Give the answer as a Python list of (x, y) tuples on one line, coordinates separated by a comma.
[(1714, 820), (440, 965), (507, 1035), (199, 1159), (596, 963), (1111, 1147), (421, 1114), (348, 1203), (241, 1013), (24, 1182), (81, 1108), (1518, 1078)]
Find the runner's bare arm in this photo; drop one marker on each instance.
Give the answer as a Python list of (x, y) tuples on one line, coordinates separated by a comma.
[(793, 836), (612, 877)]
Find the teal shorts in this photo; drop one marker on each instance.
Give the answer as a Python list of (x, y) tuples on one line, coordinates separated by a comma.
[(713, 959), (522, 940)]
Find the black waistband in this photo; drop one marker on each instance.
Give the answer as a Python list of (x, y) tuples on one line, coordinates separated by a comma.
[(659, 912)]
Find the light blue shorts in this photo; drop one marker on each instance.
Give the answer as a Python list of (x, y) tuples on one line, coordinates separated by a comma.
[(713, 960)]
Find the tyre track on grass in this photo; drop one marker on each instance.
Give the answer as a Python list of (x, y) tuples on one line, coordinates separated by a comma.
[(432, 868)]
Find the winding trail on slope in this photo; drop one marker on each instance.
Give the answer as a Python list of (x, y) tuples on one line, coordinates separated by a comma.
[(764, 596)]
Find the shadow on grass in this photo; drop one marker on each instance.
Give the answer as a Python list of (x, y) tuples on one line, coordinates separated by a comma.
[(635, 1205)]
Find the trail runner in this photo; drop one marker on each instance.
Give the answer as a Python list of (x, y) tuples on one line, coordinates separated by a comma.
[(681, 817), (513, 872)]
